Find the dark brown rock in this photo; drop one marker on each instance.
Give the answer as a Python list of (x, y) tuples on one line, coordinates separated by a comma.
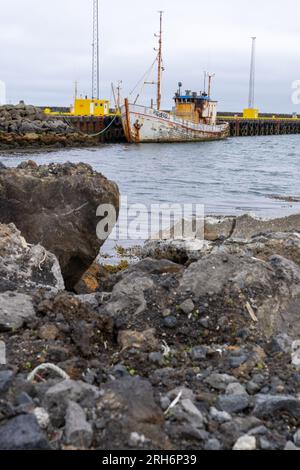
[(55, 205)]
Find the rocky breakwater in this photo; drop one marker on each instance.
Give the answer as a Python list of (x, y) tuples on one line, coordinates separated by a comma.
[(198, 353), (25, 126), (55, 206)]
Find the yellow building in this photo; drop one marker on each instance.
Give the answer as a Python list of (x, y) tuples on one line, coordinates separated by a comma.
[(90, 107), (251, 113)]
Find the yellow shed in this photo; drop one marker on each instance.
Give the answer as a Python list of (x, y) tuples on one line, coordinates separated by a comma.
[(90, 107)]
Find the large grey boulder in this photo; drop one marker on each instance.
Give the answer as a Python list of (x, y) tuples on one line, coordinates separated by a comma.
[(55, 206)]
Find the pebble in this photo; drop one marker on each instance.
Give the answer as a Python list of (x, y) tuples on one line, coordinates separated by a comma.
[(252, 387), (198, 353), (296, 354), (219, 381), (166, 313), (170, 322), (42, 417), (219, 416), (213, 444), (6, 377), (48, 332), (297, 438), (233, 403), (204, 322), (136, 439), (193, 412), (119, 371), (265, 444), (237, 361), (187, 307), (245, 443), (156, 358), (235, 389)]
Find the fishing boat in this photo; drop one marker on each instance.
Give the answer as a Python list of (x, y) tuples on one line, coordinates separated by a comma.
[(193, 118)]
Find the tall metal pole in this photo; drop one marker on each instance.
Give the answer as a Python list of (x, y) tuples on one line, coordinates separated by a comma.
[(252, 76), (159, 59), (96, 64)]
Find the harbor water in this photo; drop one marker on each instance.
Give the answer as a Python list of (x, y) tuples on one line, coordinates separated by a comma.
[(229, 177), (232, 177)]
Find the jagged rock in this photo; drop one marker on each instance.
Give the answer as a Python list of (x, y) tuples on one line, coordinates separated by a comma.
[(213, 444), (6, 378), (235, 389), (187, 306), (129, 293), (220, 381), (246, 226), (220, 416), (78, 432), (15, 310), (22, 433), (70, 390), (214, 271), (25, 267), (29, 119), (56, 205), (268, 405), (233, 403), (127, 405)]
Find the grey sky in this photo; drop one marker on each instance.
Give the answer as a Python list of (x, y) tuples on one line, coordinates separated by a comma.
[(46, 45)]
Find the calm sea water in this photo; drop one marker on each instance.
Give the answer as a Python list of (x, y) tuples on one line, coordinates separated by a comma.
[(229, 177)]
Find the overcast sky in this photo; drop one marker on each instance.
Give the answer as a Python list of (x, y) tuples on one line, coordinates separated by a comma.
[(46, 45)]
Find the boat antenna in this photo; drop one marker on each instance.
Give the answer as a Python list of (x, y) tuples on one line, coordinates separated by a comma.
[(95, 45), (159, 61)]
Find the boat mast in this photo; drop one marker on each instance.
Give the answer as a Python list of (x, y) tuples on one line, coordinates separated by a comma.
[(159, 60)]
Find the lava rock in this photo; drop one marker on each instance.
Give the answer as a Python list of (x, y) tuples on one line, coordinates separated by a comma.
[(219, 381), (267, 405), (6, 377), (56, 205), (219, 416), (25, 268), (233, 403), (15, 310), (187, 306), (23, 433), (78, 431), (170, 322)]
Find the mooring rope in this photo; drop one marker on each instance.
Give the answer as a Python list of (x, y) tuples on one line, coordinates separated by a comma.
[(91, 135), (50, 366)]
